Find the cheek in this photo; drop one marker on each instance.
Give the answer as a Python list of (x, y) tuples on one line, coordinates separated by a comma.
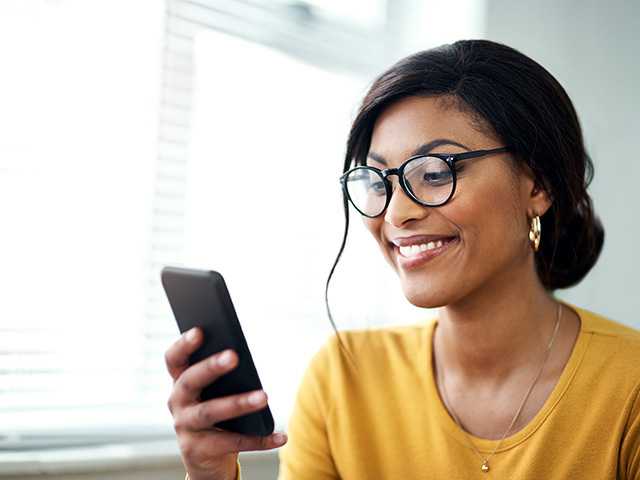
[(374, 226), (491, 227)]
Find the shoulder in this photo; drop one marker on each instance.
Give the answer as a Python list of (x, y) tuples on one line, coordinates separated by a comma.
[(356, 351), (354, 365), (610, 378), (603, 326), (621, 339), (613, 350), (366, 341)]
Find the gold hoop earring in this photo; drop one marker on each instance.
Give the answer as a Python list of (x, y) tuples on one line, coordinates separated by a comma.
[(535, 232)]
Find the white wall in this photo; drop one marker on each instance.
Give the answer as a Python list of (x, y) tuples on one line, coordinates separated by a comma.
[(592, 49)]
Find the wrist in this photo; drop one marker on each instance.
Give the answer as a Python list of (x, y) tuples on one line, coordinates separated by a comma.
[(232, 476)]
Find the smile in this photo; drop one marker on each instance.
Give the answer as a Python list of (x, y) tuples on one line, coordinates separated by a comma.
[(413, 256)]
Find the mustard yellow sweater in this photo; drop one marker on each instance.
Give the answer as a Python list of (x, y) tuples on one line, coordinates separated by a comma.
[(386, 421)]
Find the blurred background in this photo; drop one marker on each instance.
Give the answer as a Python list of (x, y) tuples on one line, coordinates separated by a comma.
[(210, 134)]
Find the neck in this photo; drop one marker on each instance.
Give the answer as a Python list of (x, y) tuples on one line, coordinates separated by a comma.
[(504, 326)]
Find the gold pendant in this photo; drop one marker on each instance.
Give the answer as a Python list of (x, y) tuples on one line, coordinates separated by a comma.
[(485, 466)]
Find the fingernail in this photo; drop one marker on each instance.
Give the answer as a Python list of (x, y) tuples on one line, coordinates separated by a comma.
[(224, 358), (256, 398), (279, 437), (191, 334)]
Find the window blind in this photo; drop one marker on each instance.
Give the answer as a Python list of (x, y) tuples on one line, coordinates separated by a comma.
[(92, 218)]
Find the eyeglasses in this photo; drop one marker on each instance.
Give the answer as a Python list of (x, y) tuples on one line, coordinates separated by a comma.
[(429, 180)]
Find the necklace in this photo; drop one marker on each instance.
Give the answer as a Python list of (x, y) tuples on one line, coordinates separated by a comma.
[(485, 461)]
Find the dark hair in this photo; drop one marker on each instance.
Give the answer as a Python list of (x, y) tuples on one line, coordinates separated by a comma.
[(529, 111)]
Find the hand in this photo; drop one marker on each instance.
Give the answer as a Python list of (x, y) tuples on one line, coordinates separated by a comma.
[(209, 452)]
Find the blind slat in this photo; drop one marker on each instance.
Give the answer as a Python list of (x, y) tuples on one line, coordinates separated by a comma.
[(95, 359)]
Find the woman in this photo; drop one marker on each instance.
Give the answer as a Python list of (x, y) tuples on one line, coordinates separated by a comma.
[(468, 166)]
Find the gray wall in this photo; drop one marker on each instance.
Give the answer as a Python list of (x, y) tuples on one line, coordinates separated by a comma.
[(592, 49)]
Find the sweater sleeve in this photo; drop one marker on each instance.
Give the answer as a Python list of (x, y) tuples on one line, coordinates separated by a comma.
[(307, 453), (630, 450)]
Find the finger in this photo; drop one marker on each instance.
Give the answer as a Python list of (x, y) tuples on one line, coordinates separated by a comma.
[(177, 355), (191, 381), (224, 442), (236, 442), (203, 415)]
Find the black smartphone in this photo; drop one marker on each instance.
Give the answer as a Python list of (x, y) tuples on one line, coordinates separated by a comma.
[(199, 298)]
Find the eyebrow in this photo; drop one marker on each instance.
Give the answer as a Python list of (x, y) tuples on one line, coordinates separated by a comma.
[(421, 150)]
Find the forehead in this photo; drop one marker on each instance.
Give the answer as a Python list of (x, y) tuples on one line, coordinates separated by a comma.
[(413, 121)]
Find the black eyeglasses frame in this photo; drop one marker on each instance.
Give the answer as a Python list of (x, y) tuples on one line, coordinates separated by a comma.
[(449, 158)]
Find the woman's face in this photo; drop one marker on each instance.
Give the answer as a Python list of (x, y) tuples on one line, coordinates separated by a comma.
[(486, 221)]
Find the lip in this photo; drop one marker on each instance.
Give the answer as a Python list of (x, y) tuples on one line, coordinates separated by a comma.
[(422, 257), (418, 239)]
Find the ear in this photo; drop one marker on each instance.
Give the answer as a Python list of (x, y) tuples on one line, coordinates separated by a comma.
[(535, 196)]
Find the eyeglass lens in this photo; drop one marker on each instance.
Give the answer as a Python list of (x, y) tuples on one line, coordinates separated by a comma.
[(429, 179)]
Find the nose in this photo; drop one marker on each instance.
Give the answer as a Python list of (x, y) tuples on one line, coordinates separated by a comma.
[(402, 208)]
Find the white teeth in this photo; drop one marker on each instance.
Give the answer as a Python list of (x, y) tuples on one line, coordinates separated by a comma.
[(412, 250)]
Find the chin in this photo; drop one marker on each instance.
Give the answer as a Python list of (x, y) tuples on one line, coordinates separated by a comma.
[(435, 286), (426, 294)]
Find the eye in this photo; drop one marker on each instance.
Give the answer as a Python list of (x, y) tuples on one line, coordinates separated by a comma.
[(438, 177), (377, 188)]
